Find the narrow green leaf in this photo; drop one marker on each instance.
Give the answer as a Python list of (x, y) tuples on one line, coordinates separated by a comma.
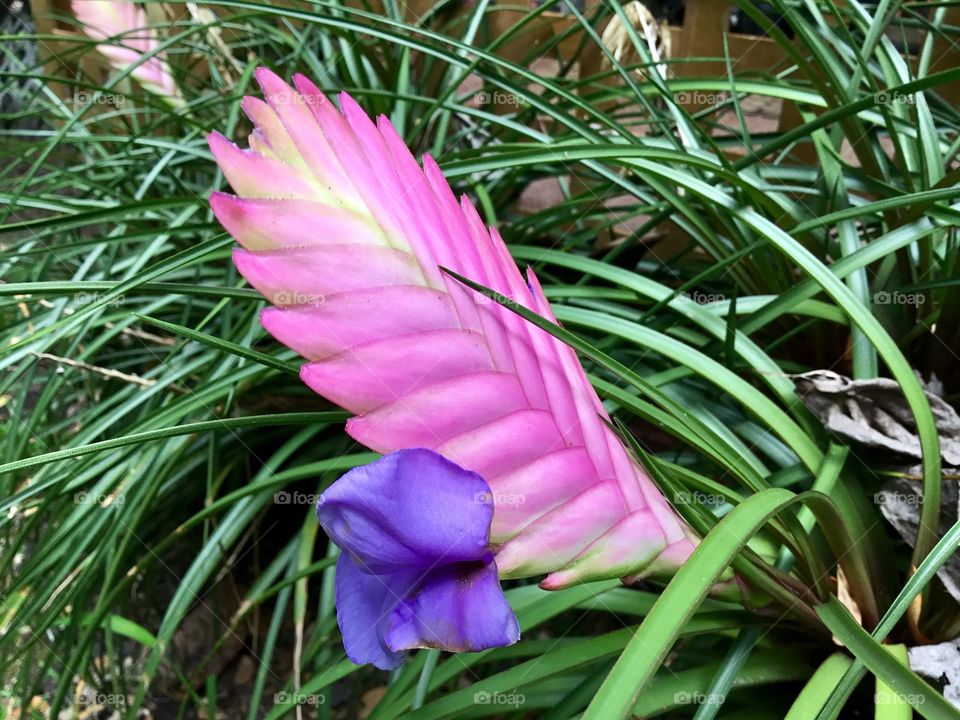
[(906, 684)]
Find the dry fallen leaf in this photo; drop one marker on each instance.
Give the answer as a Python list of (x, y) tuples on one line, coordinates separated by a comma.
[(875, 413), (901, 501), (941, 664)]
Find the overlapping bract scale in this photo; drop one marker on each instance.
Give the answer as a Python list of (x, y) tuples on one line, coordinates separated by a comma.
[(345, 234)]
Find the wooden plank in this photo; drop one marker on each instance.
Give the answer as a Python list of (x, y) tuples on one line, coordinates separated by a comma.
[(946, 55)]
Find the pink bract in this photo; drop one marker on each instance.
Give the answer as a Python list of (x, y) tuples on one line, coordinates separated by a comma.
[(344, 232)]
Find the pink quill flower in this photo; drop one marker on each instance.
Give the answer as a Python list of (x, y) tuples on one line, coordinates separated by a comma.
[(125, 25), (344, 232)]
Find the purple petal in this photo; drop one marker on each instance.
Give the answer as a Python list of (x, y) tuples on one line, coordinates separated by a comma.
[(410, 509), (459, 608), (364, 602)]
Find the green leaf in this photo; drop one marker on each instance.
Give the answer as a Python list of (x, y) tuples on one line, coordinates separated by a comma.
[(653, 640), (818, 688), (905, 683)]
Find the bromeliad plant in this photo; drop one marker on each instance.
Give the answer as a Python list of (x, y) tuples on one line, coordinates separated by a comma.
[(348, 237)]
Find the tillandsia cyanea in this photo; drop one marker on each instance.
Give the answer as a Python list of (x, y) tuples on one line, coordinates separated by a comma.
[(132, 39), (346, 234)]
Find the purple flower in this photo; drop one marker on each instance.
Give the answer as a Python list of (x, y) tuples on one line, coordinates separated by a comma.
[(416, 569)]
